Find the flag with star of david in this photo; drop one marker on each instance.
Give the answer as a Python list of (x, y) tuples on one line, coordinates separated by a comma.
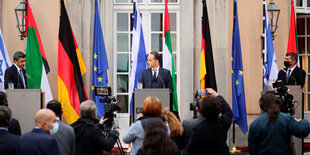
[(100, 62), (5, 61), (238, 97)]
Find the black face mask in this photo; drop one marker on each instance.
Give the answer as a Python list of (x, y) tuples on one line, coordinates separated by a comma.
[(287, 64)]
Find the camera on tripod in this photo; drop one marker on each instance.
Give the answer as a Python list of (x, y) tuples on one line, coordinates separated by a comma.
[(110, 105), (198, 95), (284, 100)]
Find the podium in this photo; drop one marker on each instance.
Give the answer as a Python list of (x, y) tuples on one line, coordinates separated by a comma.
[(24, 104), (140, 94)]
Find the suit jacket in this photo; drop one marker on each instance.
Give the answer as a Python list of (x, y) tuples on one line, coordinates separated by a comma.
[(65, 138), (164, 79), (9, 143), (38, 142), (297, 77), (11, 75), (188, 126)]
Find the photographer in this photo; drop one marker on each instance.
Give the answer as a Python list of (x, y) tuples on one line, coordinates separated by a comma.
[(271, 132), (88, 132), (209, 136)]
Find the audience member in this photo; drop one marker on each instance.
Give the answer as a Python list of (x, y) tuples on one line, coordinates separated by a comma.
[(65, 136), (38, 141), (271, 132), (188, 125), (209, 136), (135, 134), (89, 136), (156, 140), (9, 142), (14, 124), (175, 126)]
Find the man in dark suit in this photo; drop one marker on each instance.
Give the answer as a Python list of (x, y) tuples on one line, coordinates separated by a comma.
[(14, 123), (39, 141), (65, 136), (9, 142), (292, 74), (189, 124), (16, 73), (155, 76)]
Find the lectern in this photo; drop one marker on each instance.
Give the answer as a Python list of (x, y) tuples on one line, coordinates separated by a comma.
[(24, 104), (140, 94)]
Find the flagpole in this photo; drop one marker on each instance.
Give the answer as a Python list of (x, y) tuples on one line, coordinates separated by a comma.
[(234, 149)]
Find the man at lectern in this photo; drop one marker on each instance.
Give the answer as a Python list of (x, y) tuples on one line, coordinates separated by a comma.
[(15, 76), (292, 74), (155, 76)]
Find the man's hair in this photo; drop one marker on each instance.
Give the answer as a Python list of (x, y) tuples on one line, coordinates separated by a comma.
[(211, 107), (152, 106), (156, 55), (5, 116), (3, 99), (55, 106), (88, 109), (292, 55), (18, 55), (199, 105)]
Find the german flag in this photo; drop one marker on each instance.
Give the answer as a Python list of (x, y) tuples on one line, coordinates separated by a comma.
[(71, 67), (207, 73)]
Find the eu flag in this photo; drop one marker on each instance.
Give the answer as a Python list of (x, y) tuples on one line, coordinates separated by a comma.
[(100, 62), (238, 100)]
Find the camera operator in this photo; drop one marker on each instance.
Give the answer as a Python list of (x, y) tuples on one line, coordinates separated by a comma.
[(292, 74), (88, 132), (271, 132), (209, 136)]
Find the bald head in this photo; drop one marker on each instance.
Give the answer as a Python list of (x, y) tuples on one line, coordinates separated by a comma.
[(44, 118)]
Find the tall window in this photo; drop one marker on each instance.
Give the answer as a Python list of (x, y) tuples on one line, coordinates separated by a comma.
[(302, 6), (303, 31), (152, 13)]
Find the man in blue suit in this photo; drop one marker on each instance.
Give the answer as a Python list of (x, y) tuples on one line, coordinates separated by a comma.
[(39, 141), (155, 76), (9, 142)]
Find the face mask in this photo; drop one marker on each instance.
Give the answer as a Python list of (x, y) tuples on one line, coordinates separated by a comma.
[(55, 128), (287, 64)]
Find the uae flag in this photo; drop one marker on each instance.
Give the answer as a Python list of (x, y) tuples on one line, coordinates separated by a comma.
[(71, 67), (207, 74), (292, 45), (36, 63), (168, 62)]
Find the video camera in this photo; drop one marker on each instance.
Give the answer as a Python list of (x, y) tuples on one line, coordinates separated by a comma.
[(284, 100), (110, 105), (198, 95)]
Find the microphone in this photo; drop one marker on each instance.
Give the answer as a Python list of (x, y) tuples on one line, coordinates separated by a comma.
[(294, 80), (29, 77), (162, 81), (283, 70)]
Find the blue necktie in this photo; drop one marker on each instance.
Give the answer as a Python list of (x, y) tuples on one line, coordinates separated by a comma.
[(288, 75)]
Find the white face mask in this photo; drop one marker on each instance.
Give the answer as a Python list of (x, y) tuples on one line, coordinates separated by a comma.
[(55, 128)]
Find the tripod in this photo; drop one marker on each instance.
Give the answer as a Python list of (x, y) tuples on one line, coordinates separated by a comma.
[(107, 131)]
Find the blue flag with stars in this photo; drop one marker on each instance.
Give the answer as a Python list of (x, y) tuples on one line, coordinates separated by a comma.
[(100, 62), (5, 61), (238, 99)]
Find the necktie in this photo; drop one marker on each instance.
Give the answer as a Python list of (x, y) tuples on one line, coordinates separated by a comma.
[(22, 77), (154, 75), (288, 75)]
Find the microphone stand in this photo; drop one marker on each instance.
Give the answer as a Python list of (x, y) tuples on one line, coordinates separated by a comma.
[(29, 77)]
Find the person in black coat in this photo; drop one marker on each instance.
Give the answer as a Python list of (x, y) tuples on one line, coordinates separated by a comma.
[(209, 136), (292, 74), (16, 73), (155, 76), (88, 132), (9, 142), (14, 123)]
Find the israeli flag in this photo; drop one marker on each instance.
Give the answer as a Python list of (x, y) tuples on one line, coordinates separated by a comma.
[(138, 57), (270, 62), (5, 61)]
